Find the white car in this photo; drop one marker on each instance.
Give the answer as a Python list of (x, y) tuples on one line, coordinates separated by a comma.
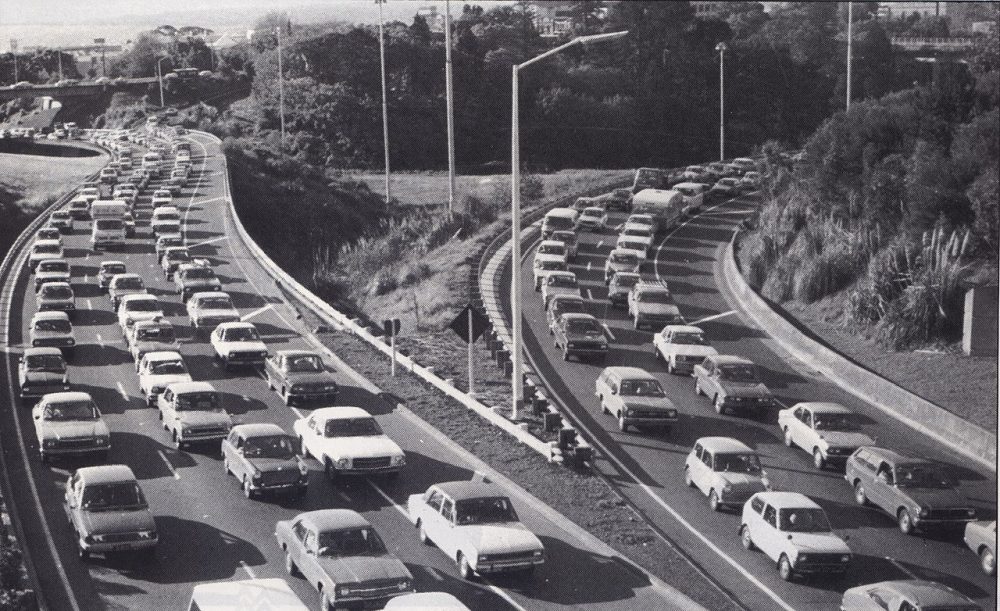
[(794, 532), (162, 197), (639, 245), (593, 218), (44, 249), (559, 283), (641, 219), (134, 308), (238, 343), (69, 424), (638, 232), (192, 412), (475, 525), (157, 370), (681, 347), (551, 250), (207, 310), (725, 470), (828, 431), (543, 267), (348, 441)]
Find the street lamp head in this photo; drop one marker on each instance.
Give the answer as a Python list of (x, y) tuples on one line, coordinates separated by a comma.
[(586, 40), (722, 47)]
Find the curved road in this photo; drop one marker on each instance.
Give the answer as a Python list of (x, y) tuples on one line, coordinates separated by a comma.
[(648, 467), (208, 530)]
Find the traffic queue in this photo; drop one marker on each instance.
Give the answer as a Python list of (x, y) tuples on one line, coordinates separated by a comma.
[(789, 527), (337, 551)]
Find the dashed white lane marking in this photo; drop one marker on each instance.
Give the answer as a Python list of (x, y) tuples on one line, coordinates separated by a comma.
[(601, 243), (589, 265), (608, 329), (402, 510), (246, 399), (589, 294), (256, 312), (90, 304), (899, 565), (249, 571), (166, 461), (100, 340), (218, 239), (713, 317), (121, 391)]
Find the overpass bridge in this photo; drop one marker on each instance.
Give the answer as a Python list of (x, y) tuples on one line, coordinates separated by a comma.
[(77, 90), (939, 44)]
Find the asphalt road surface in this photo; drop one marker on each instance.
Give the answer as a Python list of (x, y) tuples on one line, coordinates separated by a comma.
[(649, 466), (208, 530)]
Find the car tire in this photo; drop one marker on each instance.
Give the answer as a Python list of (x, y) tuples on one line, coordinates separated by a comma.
[(303, 450), (785, 570), (746, 539), (565, 355), (247, 490), (713, 501), (330, 470), (82, 553), (464, 570), (788, 437), (225, 467), (697, 388), (818, 461), (622, 424), (324, 601), (422, 534), (688, 480), (859, 494), (987, 561), (720, 406), (42, 456), (905, 522), (270, 382)]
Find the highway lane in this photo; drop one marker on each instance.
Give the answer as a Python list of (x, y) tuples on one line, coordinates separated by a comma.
[(649, 466), (208, 530)]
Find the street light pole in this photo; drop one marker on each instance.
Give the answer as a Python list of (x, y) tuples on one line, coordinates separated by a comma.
[(850, 22), (159, 76), (385, 108), (281, 89), (59, 54), (517, 381), (721, 48), (451, 109)]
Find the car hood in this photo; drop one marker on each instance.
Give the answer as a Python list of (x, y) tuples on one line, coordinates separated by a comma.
[(846, 439), (153, 346), (363, 447), (218, 312), (742, 480), (248, 346), (44, 377), (500, 538), (73, 429), (123, 292), (361, 569), (934, 498), (309, 377), (51, 276), (649, 402), (109, 522), (548, 257), (690, 350), (738, 389), (165, 380), (196, 418), (618, 266), (137, 316), (35, 333), (819, 542), (270, 465), (656, 308)]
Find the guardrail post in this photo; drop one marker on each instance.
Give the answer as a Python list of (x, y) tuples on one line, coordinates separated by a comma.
[(502, 356), (551, 422)]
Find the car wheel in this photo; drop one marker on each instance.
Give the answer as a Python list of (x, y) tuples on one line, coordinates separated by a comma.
[(422, 534), (987, 561), (745, 538), (713, 501), (83, 554), (697, 388), (331, 471), (464, 570), (565, 355), (290, 567), (225, 467), (720, 405), (247, 490), (622, 424), (785, 568), (324, 601), (270, 382), (859, 494), (818, 460), (688, 480), (905, 522), (284, 395), (788, 437), (303, 449)]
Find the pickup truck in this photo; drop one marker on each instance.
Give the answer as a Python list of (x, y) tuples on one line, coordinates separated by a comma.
[(651, 304), (681, 347), (580, 335)]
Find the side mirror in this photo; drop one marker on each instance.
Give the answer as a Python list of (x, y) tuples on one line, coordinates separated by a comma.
[(789, 537)]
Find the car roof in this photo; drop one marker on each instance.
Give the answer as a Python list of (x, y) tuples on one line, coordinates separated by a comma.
[(651, 287), (46, 243), (339, 412), (163, 355), (465, 490), (683, 329), (186, 387), (562, 212), (270, 593), (159, 321), (552, 243), (594, 209), (622, 251), (724, 444), (619, 275), (43, 351), (686, 185), (729, 359), (323, 520), (788, 500), (894, 456), (69, 395), (630, 372), (577, 316), (126, 275), (139, 297), (50, 316), (106, 474), (210, 294), (53, 260), (112, 262), (823, 407), (562, 273), (924, 593), (236, 325), (259, 429), (57, 284), (289, 353)]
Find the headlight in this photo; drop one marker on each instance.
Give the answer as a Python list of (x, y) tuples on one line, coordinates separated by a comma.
[(185, 430), (971, 513), (147, 534), (671, 413), (924, 512), (343, 463), (802, 558), (603, 345), (94, 538), (232, 355), (398, 461), (65, 380), (70, 341), (483, 558), (330, 387), (845, 558), (343, 590), (728, 487), (102, 441), (303, 468), (49, 443), (404, 585), (570, 345), (537, 553)]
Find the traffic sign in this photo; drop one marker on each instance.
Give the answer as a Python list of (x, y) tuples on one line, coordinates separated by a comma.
[(461, 324), (391, 327)]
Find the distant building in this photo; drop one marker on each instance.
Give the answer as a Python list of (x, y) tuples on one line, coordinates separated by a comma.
[(435, 20), (707, 10), (899, 10), (553, 18)]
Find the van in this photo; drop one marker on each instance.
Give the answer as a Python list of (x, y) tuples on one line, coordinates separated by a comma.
[(650, 178), (109, 223), (666, 207), (694, 195), (558, 219), (249, 594)]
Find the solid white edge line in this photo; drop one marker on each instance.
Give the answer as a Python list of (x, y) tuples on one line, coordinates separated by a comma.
[(608, 329), (713, 317), (249, 571), (255, 312)]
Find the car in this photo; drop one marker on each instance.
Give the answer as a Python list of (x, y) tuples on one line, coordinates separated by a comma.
[(580, 335), (52, 330), (263, 459), (191, 278), (620, 199), (134, 308), (102, 80), (160, 369), (719, 169), (620, 285), (916, 491), (551, 250), (750, 181), (89, 194), (745, 164), (563, 304), (635, 398), (794, 532), (66, 82), (61, 220), (725, 470), (109, 175), (122, 285), (569, 240), (108, 512), (906, 595), (154, 335), (300, 375), (208, 310), (173, 257), (41, 371), (681, 347), (559, 283), (238, 343), (175, 186), (79, 209), (828, 431), (543, 267), (339, 553), (650, 304), (732, 383), (271, 593), (52, 270), (165, 241), (724, 186), (70, 424), (49, 232), (638, 245), (593, 218), (694, 173), (981, 537), (108, 270), (639, 232), (56, 296), (348, 441), (165, 219), (621, 261), (44, 249), (192, 413), (425, 601), (475, 524)]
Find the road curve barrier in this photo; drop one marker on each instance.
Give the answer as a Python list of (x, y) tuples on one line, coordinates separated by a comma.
[(916, 412), (337, 319)]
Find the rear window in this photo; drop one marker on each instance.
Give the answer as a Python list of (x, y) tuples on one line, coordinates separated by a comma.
[(105, 224), (559, 222)]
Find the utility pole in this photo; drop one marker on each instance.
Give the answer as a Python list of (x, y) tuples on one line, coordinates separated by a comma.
[(850, 20), (281, 89), (451, 131), (385, 109), (59, 54), (721, 48)]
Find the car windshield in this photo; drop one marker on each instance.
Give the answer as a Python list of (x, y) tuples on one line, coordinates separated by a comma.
[(168, 216), (835, 422), (45, 362), (215, 303), (142, 305), (559, 221), (48, 234), (737, 463), (46, 248), (352, 427), (58, 326), (695, 168), (639, 232), (61, 215), (131, 283), (71, 410), (199, 273), (653, 297), (113, 269), (564, 236), (108, 224), (625, 258), (563, 281), (640, 219), (242, 334), (53, 266), (149, 334), (119, 495), (811, 520), (739, 373), (551, 265), (631, 245), (594, 213), (57, 292), (689, 339), (551, 249), (922, 476), (199, 401), (566, 306), (163, 194), (305, 364), (587, 327), (350, 542), (269, 446), (487, 510), (162, 368), (641, 388), (625, 281), (178, 255)]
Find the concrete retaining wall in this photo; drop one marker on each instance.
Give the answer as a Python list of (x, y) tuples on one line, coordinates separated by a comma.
[(914, 411)]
